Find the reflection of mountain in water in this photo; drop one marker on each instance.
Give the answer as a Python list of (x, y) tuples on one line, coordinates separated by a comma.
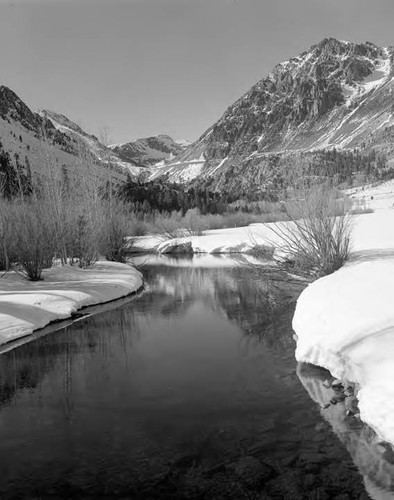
[(375, 462), (256, 302)]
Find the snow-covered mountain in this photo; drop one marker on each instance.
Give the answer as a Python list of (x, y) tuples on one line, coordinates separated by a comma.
[(88, 143), (150, 151), (337, 94), (34, 140)]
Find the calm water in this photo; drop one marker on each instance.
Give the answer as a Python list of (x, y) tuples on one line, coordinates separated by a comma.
[(189, 391)]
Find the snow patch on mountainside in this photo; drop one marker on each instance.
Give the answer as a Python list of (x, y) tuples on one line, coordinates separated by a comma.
[(218, 166), (379, 77), (183, 142), (181, 170)]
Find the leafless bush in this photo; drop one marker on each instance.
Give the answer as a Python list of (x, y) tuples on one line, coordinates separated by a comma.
[(262, 252), (118, 230), (168, 226), (32, 245), (6, 235), (70, 214), (137, 227), (193, 223), (82, 238), (317, 236), (175, 225)]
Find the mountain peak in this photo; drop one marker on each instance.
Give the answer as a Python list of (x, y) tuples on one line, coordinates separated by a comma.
[(4, 90), (13, 108), (330, 42), (61, 121), (149, 151)]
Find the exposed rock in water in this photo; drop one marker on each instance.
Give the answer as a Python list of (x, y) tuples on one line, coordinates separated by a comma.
[(176, 247)]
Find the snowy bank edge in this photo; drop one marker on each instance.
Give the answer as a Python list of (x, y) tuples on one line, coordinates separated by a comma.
[(241, 239), (64, 292), (340, 328)]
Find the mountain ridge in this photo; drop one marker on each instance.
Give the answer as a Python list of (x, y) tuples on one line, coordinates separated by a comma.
[(32, 138), (337, 94)]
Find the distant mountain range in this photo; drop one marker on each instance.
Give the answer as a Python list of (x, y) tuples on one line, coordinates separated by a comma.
[(151, 150), (36, 138), (335, 95)]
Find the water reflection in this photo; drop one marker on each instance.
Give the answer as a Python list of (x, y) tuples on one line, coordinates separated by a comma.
[(189, 391), (375, 461)]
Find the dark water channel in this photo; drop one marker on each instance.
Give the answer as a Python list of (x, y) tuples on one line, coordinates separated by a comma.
[(190, 391)]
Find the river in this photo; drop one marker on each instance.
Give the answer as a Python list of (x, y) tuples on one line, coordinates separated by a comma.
[(188, 391)]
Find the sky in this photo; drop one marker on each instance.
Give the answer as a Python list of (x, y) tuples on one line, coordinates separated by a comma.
[(145, 67)]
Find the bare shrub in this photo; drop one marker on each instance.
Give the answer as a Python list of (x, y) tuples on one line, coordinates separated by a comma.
[(82, 238), (317, 236), (26, 237), (74, 197), (74, 211), (117, 232), (193, 223), (70, 214), (137, 227), (6, 238), (262, 252), (33, 243), (168, 226)]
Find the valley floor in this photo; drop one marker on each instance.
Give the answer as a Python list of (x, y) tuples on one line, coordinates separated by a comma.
[(27, 306)]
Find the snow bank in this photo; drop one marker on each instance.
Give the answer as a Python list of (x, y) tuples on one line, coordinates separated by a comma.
[(229, 240), (27, 306), (345, 321), (197, 261)]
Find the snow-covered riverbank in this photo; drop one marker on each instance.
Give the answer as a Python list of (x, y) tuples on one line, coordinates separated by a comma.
[(27, 306), (345, 321), (216, 241)]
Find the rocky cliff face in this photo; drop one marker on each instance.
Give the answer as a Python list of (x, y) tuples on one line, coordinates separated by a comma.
[(13, 108), (336, 94), (150, 150)]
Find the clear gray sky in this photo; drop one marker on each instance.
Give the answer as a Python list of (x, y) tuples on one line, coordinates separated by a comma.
[(145, 67)]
